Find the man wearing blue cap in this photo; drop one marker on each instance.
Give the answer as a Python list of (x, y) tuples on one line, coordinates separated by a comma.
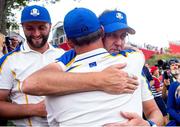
[(97, 108), (116, 29), (35, 53)]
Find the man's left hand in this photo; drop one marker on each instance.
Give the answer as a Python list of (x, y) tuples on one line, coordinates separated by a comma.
[(133, 119)]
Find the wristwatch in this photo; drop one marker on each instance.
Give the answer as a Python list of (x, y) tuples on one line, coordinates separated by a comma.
[(151, 123)]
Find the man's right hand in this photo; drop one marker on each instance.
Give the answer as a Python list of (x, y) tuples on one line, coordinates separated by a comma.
[(40, 109), (115, 81), (13, 110)]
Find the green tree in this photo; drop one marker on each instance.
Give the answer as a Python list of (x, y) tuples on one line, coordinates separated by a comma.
[(7, 16), (153, 60)]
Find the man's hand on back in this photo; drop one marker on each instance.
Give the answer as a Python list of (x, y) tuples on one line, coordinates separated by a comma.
[(115, 81)]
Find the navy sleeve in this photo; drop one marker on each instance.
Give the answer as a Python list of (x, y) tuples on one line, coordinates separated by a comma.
[(125, 52), (4, 57), (67, 57), (147, 73)]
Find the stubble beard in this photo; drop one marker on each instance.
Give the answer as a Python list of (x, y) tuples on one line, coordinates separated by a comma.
[(35, 44)]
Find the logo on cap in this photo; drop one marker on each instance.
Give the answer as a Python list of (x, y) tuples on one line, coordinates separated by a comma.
[(84, 28), (119, 16), (34, 12)]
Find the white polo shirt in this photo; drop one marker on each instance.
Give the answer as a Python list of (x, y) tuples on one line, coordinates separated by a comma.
[(18, 65), (96, 108)]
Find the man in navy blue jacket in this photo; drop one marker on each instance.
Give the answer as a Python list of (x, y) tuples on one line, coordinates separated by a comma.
[(173, 104)]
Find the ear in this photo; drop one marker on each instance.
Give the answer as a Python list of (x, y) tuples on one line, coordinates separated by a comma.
[(102, 28), (102, 31), (50, 25), (70, 44)]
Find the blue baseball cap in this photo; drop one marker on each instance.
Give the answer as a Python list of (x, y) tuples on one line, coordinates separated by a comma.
[(115, 20), (35, 13), (80, 22)]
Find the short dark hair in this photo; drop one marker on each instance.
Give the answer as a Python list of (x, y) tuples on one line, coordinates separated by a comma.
[(86, 40), (105, 11)]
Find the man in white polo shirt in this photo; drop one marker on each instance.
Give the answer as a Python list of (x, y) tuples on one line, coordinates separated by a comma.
[(35, 53), (96, 108)]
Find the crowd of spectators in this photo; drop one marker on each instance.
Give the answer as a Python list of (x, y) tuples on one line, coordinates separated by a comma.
[(164, 78)]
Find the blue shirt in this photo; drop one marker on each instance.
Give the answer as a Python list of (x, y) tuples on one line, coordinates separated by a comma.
[(173, 103)]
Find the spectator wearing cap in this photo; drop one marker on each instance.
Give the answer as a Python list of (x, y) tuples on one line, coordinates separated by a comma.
[(12, 42), (170, 76), (96, 108), (157, 92), (35, 53), (174, 67)]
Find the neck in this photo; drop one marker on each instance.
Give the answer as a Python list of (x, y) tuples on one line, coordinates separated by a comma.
[(92, 46)]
